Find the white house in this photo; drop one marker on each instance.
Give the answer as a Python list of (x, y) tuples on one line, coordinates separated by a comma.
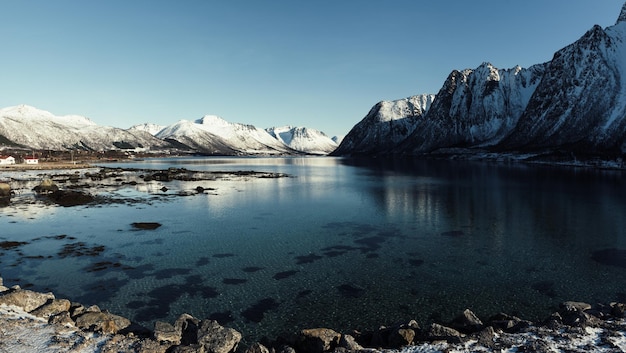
[(6, 160), (31, 160)]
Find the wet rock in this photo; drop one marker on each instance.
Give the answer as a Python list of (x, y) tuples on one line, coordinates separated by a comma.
[(194, 348), (69, 198), (467, 322), (187, 325), (507, 323), (61, 319), (401, 337), (102, 322), (25, 299), (487, 338), (438, 332), (317, 340), (575, 306), (165, 332), (257, 348), (146, 225), (216, 338), (52, 308), (46, 186), (579, 318), (349, 343), (618, 309), (5, 190)]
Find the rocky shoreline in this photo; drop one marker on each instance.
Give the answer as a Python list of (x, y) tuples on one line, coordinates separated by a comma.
[(31, 321)]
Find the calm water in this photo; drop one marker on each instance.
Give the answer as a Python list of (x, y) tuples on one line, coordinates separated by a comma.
[(342, 243)]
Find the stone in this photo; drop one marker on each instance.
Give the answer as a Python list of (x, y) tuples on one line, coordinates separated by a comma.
[(618, 309), (187, 325), (52, 308), (486, 338), (165, 332), (61, 319), (69, 198), (574, 306), (46, 186), (467, 322), (286, 349), (438, 332), (102, 322), (216, 338), (257, 348), (25, 299), (194, 348), (401, 337), (5, 190), (348, 342), (317, 340)]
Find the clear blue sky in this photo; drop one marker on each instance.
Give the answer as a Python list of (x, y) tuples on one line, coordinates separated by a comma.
[(321, 64)]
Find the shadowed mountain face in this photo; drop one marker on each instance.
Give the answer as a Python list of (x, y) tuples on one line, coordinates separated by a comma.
[(575, 102)]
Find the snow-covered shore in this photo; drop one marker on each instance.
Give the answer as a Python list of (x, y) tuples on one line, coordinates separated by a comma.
[(26, 326)]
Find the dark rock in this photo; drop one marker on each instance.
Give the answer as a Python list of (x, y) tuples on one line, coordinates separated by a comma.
[(146, 225), (46, 186), (52, 308), (348, 342), (187, 325), (507, 323), (400, 337), (194, 348), (618, 309), (216, 338), (69, 198), (102, 322), (200, 190), (467, 322), (575, 306), (166, 332), (487, 337), (61, 319), (257, 348), (317, 340), (578, 318), (438, 332), (25, 299)]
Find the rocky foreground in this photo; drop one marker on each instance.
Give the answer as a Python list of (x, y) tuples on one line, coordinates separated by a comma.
[(39, 322)]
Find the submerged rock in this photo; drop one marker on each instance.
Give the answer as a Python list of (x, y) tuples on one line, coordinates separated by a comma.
[(68, 198), (146, 225)]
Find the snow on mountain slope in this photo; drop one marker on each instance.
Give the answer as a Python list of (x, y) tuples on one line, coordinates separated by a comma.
[(303, 139), (39, 129), (387, 124), (580, 105), (150, 128), (214, 135), (475, 108), (574, 103)]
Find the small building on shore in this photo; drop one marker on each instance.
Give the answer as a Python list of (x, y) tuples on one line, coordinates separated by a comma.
[(31, 160), (7, 160)]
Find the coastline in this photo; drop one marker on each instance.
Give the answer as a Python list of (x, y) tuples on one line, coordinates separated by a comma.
[(35, 322)]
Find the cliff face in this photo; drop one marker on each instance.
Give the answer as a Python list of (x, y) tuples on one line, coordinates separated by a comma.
[(386, 125), (575, 102)]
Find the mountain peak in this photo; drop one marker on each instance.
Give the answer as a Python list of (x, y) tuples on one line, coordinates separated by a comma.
[(622, 15)]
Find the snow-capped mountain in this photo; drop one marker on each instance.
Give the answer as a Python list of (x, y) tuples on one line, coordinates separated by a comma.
[(303, 139), (338, 139), (576, 102), (150, 128), (214, 135), (30, 127), (386, 125)]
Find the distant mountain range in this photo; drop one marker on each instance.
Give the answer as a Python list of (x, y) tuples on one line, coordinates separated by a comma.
[(574, 104), (31, 128)]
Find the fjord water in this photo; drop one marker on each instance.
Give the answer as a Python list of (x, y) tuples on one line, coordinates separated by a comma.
[(342, 243)]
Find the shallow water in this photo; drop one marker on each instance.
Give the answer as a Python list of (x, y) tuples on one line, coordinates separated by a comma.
[(342, 243)]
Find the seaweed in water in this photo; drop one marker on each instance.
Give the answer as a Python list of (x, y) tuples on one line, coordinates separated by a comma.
[(611, 257), (251, 269), (284, 274), (350, 291), (545, 287), (256, 312), (234, 281), (307, 259)]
